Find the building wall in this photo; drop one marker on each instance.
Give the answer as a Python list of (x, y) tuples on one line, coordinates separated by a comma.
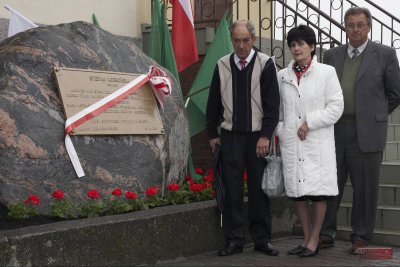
[(120, 17), (258, 11)]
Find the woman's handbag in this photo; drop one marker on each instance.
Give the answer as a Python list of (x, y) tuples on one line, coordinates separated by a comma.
[(272, 182)]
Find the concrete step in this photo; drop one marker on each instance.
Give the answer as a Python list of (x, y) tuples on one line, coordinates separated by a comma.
[(392, 151), (389, 194), (382, 237), (390, 172), (387, 217), (395, 116), (393, 132)]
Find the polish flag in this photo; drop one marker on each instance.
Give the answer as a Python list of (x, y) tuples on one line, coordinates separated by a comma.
[(183, 34)]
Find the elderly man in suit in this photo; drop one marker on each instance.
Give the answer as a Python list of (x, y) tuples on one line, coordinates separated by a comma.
[(370, 78)]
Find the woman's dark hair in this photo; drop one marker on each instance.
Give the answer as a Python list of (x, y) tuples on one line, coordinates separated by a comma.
[(302, 33)]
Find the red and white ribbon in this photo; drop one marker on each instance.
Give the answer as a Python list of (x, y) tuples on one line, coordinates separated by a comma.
[(159, 82)]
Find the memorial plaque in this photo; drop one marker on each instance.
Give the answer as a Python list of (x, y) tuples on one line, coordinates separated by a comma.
[(136, 114)]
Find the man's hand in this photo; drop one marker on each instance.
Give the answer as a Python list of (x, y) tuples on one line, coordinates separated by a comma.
[(303, 131), (262, 148), (213, 142)]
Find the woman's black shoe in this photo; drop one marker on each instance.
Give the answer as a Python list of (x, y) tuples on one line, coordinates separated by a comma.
[(296, 251), (308, 253)]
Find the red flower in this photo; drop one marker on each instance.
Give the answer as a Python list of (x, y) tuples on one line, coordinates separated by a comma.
[(245, 177), (58, 194), (209, 178), (207, 185), (173, 187), (117, 192), (151, 191), (130, 195), (93, 194), (199, 171), (214, 194), (196, 187), (189, 179), (32, 199)]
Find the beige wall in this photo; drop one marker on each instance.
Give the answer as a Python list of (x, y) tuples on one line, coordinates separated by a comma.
[(255, 11), (121, 17)]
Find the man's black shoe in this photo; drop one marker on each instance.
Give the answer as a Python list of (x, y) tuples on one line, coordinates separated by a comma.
[(326, 241), (267, 248), (230, 249)]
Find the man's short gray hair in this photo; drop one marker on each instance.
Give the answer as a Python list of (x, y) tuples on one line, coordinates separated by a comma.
[(249, 25), (356, 10)]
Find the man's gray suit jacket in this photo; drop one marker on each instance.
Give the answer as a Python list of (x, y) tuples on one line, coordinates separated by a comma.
[(377, 90)]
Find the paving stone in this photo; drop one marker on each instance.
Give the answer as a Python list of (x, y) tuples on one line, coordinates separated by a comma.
[(336, 256)]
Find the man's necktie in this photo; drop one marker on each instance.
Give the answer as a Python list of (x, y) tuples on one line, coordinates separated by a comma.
[(355, 53), (243, 64)]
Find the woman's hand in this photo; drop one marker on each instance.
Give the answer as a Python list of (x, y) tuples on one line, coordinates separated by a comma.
[(303, 131)]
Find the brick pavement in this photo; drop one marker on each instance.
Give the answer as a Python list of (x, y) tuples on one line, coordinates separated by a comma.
[(336, 256)]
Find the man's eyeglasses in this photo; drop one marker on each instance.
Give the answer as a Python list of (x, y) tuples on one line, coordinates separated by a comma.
[(352, 26)]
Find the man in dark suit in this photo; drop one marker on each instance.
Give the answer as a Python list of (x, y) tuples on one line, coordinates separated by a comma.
[(370, 78), (244, 102)]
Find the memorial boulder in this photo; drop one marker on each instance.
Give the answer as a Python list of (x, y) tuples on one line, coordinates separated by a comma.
[(33, 157)]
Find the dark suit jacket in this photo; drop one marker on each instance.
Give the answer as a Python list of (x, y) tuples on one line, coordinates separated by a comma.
[(377, 91)]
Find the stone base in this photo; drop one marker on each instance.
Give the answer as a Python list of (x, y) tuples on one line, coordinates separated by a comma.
[(137, 238)]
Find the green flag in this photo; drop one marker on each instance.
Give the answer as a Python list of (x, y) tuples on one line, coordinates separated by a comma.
[(198, 94), (95, 21), (160, 46), (160, 49)]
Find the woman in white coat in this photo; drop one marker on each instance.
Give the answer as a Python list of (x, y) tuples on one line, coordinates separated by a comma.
[(311, 102)]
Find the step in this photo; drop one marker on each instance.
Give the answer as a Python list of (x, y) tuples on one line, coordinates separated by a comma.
[(387, 217), (382, 237), (392, 151), (395, 117), (393, 132), (390, 172), (389, 194)]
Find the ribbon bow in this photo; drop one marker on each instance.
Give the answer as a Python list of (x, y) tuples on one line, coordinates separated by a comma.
[(160, 83)]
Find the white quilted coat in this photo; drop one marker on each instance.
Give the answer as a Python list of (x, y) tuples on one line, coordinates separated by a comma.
[(309, 166)]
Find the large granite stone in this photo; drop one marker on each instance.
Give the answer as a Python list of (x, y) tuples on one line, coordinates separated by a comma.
[(33, 159)]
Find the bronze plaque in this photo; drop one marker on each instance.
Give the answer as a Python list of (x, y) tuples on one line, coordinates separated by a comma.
[(136, 114)]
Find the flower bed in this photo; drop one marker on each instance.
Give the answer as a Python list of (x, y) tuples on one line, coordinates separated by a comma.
[(116, 202), (158, 230)]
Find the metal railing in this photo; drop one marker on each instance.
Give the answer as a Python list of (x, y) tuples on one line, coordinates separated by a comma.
[(325, 17)]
